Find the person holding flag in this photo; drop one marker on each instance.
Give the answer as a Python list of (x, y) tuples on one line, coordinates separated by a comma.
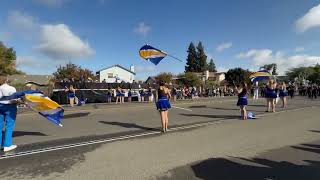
[(8, 113)]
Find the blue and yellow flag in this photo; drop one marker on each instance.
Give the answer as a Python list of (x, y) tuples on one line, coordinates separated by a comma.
[(260, 75), (45, 107), (152, 54)]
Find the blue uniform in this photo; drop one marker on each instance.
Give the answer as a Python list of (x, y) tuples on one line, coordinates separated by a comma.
[(283, 93), (119, 94), (71, 94), (271, 93), (242, 98), (163, 103)]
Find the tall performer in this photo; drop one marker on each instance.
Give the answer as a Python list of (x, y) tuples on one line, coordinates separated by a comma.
[(283, 93), (71, 95), (163, 104), (271, 95)]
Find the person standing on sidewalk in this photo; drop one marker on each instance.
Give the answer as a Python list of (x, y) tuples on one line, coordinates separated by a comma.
[(8, 113), (256, 91)]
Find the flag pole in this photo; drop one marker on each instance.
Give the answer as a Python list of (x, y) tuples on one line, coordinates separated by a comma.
[(171, 56), (174, 58)]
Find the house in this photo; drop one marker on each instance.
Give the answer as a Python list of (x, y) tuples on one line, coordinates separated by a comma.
[(211, 76), (116, 74)]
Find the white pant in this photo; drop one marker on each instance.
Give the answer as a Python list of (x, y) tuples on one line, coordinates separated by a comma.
[(256, 94)]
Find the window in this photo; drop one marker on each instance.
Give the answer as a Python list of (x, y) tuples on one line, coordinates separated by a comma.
[(110, 75)]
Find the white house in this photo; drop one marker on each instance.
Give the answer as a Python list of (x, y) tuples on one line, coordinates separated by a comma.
[(211, 76), (116, 74)]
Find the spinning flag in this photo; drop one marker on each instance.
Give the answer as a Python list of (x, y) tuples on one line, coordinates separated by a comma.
[(260, 75), (45, 107), (152, 54)]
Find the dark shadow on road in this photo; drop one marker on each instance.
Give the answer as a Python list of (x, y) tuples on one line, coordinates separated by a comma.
[(257, 105), (201, 106), (309, 148), (128, 125), (27, 133), (220, 108), (225, 169), (315, 131), (213, 116), (75, 115)]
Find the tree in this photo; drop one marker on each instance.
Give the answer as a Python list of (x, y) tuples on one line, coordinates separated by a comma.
[(189, 79), (212, 66), (70, 71), (237, 76), (300, 73), (166, 77), (7, 61), (191, 59), (271, 67), (201, 58), (315, 76)]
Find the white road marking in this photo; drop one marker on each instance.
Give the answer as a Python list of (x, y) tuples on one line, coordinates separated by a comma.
[(181, 108)]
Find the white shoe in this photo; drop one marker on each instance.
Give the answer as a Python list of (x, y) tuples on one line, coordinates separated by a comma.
[(10, 148)]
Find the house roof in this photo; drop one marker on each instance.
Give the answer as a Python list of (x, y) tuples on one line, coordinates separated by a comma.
[(21, 79), (119, 66)]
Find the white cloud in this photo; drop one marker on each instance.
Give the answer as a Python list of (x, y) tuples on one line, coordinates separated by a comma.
[(34, 65), (299, 49), (27, 61), (21, 21), (224, 46), (60, 43), (51, 3), (309, 20), (260, 57), (142, 29), (144, 69)]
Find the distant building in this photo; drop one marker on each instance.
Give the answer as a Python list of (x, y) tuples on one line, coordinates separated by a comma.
[(116, 74), (151, 80), (211, 76)]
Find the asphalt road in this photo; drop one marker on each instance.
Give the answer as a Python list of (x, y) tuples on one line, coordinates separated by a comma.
[(123, 142)]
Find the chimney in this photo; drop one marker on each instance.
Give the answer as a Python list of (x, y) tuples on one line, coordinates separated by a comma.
[(132, 68), (207, 74)]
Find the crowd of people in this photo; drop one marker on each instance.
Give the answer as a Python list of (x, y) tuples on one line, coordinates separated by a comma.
[(312, 91)]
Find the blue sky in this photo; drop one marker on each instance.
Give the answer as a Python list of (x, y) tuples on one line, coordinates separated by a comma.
[(99, 33)]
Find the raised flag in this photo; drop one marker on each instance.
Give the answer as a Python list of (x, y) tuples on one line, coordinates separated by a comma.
[(260, 75), (152, 54)]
